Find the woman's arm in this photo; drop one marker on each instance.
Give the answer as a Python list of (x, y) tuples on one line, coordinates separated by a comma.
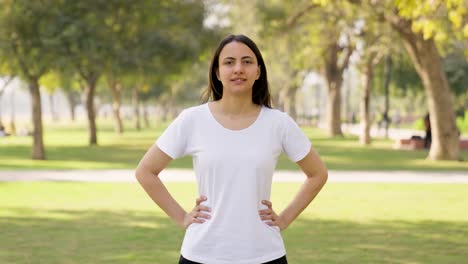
[(317, 176), (147, 172)]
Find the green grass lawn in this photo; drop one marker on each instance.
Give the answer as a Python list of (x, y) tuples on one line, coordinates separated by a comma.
[(67, 148), (58, 223)]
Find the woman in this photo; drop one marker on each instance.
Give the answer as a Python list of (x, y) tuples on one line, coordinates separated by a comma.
[(235, 140)]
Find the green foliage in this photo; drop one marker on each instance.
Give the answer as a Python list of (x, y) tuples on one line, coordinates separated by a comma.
[(456, 68), (404, 76), (154, 51), (462, 123), (419, 124), (26, 37), (443, 20), (429, 27), (50, 82)]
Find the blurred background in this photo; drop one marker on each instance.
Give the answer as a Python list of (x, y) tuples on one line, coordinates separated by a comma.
[(380, 88), (332, 64)]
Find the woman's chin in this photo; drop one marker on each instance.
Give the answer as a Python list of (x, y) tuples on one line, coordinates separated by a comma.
[(240, 91)]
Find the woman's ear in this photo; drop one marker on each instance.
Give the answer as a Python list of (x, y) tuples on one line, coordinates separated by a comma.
[(258, 72), (217, 74)]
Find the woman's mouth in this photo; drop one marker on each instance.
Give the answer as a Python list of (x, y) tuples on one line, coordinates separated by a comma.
[(238, 80)]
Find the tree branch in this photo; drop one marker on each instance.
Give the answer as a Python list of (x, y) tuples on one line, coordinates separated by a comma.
[(349, 52), (5, 84), (293, 20)]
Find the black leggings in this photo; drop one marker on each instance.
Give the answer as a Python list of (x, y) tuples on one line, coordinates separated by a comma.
[(281, 260)]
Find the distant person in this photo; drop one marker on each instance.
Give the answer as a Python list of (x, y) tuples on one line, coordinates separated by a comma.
[(353, 117), (385, 119), (3, 133), (235, 139), (427, 129)]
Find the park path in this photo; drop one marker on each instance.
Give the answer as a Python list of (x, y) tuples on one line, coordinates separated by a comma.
[(186, 175)]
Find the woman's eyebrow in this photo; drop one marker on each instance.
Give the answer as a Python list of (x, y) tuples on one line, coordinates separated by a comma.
[(232, 58)]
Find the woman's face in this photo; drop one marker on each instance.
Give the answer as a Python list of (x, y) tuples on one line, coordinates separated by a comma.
[(238, 68)]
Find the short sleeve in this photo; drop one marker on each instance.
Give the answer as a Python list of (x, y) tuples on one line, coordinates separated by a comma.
[(173, 141), (295, 143)]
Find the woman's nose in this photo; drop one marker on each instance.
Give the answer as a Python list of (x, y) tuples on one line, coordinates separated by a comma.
[(238, 67)]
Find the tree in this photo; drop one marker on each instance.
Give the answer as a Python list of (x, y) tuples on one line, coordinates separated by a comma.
[(325, 31), (126, 39), (50, 82), (456, 68), (25, 45), (376, 41), (417, 26), (85, 43), (69, 82)]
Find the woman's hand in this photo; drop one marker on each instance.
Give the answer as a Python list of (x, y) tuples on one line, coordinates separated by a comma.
[(269, 214), (197, 215)]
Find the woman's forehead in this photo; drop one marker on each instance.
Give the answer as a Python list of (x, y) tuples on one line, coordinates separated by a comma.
[(236, 49)]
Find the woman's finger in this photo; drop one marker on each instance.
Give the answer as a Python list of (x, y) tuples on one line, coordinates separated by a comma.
[(267, 217), (267, 203), (200, 208), (198, 220), (266, 211), (202, 215), (272, 223), (200, 199)]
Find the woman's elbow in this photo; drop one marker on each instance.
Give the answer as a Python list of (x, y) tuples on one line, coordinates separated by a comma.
[(144, 174), (321, 176), (141, 174), (324, 176)]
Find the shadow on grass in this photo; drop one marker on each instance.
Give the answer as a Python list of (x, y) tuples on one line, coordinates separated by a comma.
[(58, 236), (330, 241), (61, 236), (105, 157)]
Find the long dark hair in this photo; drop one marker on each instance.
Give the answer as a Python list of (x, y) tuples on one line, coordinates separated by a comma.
[(261, 92)]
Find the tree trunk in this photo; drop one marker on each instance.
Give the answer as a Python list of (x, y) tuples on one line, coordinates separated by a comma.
[(136, 108), (116, 90), (53, 112), (288, 100), (89, 93), (275, 98), (334, 76), (12, 116), (72, 103), (318, 105), (292, 101), (367, 76), (388, 67), (334, 110), (38, 152), (427, 62), (146, 116), (347, 99), (1, 123)]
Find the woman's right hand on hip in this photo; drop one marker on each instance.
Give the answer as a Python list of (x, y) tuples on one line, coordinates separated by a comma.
[(197, 215)]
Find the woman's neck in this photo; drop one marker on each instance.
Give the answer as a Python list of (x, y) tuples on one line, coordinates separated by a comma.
[(235, 106)]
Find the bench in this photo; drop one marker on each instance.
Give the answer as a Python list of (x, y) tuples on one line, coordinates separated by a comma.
[(409, 144), (416, 143)]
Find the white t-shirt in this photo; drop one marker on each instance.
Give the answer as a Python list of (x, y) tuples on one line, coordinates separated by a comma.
[(234, 170)]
